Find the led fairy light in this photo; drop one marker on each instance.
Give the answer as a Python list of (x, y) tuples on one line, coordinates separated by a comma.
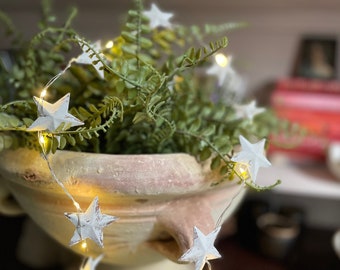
[(88, 224), (84, 245), (221, 68), (109, 44), (43, 93), (242, 170), (222, 60), (247, 163)]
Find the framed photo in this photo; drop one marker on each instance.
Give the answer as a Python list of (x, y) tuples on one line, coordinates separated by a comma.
[(317, 58)]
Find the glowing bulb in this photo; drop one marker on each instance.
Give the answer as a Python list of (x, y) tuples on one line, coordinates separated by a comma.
[(242, 170), (109, 44), (42, 140), (84, 245), (221, 60), (43, 93)]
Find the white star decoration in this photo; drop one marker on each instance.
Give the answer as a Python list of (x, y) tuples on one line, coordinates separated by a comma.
[(89, 224), (221, 71), (157, 17), (91, 263), (87, 57), (52, 115), (253, 154), (248, 111), (202, 249)]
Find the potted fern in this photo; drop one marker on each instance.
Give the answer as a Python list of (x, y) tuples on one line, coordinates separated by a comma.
[(134, 124)]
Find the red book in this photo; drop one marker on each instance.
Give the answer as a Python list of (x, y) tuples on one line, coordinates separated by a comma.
[(306, 100), (309, 85), (321, 123), (306, 148)]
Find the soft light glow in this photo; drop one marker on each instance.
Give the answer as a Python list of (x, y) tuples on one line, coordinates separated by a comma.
[(84, 245), (42, 140), (221, 60), (241, 169), (109, 44), (43, 93)]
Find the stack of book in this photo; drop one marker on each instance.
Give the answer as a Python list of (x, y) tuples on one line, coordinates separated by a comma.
[(315, 106)]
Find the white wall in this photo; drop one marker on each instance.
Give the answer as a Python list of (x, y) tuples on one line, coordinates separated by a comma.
[(264, 51)]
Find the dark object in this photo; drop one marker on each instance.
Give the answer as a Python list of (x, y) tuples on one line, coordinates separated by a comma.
[(277, 234), (317, 58)]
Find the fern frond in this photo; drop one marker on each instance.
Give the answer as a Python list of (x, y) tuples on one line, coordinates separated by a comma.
[(98, 120), (194, 57)]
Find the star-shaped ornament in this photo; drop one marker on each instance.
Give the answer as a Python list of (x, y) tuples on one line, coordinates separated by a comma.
[(51, 116), (253, 154), (221, 68), (90, 263), (89, 224), (157, 17), (88, 58), (248, 111), (202, 250)]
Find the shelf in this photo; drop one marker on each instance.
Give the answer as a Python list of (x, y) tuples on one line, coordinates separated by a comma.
[(305, 179)]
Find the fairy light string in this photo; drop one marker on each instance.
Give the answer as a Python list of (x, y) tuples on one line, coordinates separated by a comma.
[(44, 153), (42, 141), (222, 61)]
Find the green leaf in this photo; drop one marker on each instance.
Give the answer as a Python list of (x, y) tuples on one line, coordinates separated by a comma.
[(195, 125), (205, 154), (215, 163), (120, 86), (71, 140), (132, 93), (62, 142)]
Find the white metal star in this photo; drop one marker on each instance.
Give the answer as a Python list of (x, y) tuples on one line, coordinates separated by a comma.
[(248, 111), (221, 70), (89, 224), (253, 154), (87, 57), (52, 115), (157, 17), (91, 264), (203, 249)]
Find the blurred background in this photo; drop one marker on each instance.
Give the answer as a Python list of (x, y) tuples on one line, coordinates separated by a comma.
[(288, 57)]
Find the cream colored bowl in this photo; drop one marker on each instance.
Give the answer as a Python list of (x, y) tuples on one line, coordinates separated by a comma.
[(158, 199)]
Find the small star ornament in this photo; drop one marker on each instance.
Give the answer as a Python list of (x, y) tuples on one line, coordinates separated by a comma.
[(248, 111), (221, 68), (88, 58), (253, 154), (202, 250), (51, 116), (90, 263), (158, 18), (89, 224)]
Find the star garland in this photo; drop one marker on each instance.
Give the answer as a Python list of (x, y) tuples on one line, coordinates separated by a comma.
[(88, 224), (253, 155), (157, 17), (248, 111), (51, 116), (203, 249), (90, 58)]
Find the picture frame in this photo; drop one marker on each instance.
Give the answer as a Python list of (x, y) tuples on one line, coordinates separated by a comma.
[(317, 58)]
